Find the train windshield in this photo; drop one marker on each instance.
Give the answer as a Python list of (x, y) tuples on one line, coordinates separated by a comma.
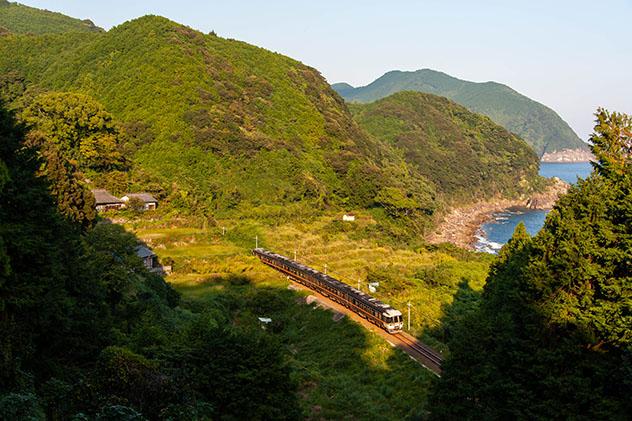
[(394, 319)]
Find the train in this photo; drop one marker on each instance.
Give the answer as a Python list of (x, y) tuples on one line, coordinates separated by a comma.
[(372, 309)]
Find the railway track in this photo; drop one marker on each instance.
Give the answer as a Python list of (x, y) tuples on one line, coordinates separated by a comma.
[(421, 352), (367, 310)]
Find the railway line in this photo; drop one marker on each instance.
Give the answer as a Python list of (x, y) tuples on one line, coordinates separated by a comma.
[(421, 352), (366, 310)]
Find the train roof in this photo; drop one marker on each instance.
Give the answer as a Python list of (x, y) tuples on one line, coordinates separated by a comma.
[(366, 298)]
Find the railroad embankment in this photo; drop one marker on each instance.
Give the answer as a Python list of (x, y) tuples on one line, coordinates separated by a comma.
[(460, 224)]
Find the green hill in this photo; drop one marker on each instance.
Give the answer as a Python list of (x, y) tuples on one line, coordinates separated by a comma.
[(463, 153), (218, 126), (217, 123), (20, 19), (539, 125)]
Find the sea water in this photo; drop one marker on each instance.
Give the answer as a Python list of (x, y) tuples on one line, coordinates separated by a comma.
[(494, 234)]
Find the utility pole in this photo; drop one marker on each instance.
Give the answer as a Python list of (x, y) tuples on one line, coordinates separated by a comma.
[(295, 255), (409, 305), (359, 285), (325, 268), (256, 241), (223, 231)]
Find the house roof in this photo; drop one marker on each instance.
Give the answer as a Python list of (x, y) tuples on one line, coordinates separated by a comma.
[(103, 197), (142, 252), (145, 197)]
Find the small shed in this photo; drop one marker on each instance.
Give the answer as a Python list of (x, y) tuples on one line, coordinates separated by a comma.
[(149, 258), (150, 202), (349, 217), (105, 201)]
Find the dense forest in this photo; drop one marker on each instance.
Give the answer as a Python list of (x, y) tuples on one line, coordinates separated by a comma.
[(537, 124), (269, 129), (552, 336), (20, 19), (465, 155), (88, 332)]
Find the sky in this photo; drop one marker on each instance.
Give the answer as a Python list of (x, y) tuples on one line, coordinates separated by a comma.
[(572, 56)]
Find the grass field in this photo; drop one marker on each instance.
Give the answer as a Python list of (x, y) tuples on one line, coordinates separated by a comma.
[(343, 370)]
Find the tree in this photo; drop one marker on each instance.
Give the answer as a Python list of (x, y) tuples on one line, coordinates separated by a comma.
[(73, 198), (136, 205), (612, 143), (78, 127), (553, 335), (73, 134)]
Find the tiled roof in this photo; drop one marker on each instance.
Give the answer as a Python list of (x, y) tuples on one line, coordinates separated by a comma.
[(145, 197), (103, 197), (142, 252)]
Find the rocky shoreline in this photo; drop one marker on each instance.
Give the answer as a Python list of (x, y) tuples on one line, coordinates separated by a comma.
[(460, 225)]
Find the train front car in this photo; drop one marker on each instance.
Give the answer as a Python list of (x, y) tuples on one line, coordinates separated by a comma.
[(393, 322)]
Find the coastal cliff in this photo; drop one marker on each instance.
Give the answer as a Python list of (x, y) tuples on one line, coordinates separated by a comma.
[(460, 224)]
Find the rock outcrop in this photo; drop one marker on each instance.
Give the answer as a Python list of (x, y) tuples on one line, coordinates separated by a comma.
[(547, 198)]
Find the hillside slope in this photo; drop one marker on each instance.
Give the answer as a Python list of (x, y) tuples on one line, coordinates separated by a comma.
[(20, 19), (216, 126), (464, 154), (539, 125), (218, 123)]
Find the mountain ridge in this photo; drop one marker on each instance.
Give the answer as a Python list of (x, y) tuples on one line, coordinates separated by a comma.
[(465, 154), (228, 126), (21, 19), (538, 124)]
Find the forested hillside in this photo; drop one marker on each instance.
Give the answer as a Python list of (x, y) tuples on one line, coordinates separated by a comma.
[(465, 155), (537, 124), (20, 19), (86, 330), (216, 125)]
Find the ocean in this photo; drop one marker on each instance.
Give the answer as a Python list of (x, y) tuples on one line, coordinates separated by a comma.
[(494, 234)]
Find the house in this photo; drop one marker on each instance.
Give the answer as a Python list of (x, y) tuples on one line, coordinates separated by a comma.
[(149, 258), (104, 201), (146, 198), (348, 217)]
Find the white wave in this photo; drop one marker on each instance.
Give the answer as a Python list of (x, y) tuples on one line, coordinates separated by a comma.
[(485, 245)]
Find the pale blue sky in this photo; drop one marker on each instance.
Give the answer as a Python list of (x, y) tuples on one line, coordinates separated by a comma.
[(570, 55)]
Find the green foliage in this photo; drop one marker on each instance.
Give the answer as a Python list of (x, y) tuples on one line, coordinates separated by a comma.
[(21, 19), (552, 337), (86, 332), (20, 407), (612, 144), (77, 127), (464, 155), (136, 205), (74, 135), (260, 389), (234, 130), (537, 124), (119, 413), (73, 198), (234, 125)]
